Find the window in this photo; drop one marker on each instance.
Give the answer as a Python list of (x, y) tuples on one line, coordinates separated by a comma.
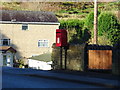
[(43, 43), (5, 42), (24, 26)]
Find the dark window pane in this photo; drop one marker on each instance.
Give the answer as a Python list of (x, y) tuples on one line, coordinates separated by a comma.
[(5, 41), (25, 27)]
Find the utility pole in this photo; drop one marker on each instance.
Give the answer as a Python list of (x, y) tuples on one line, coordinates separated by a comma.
[(95, 22)]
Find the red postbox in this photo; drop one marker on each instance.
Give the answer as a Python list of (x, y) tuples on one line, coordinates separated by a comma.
[(61, 38)]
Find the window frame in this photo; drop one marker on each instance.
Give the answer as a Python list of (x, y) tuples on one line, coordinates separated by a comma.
[(3, 42), (43, 43), (24, 27)]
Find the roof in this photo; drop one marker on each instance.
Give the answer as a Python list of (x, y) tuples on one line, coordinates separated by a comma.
[(46, 57), (27, 16), (7, 48)]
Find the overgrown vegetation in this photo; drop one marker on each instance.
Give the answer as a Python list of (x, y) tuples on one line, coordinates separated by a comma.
[(77, 33), (109, 25), (22, 62), (89, 21), (79, 30)]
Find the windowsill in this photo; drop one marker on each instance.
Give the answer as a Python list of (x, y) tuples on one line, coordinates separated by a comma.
[(43, 47)]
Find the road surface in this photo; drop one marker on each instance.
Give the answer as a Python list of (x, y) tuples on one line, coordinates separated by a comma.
[(13, 80)]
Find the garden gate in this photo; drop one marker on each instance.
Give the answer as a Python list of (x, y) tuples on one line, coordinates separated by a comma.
[(99, 57)]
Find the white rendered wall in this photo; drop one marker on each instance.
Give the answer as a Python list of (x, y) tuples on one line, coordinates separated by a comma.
[(35, 64)]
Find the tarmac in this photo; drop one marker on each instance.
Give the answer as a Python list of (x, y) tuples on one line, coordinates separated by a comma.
[(92, 78)]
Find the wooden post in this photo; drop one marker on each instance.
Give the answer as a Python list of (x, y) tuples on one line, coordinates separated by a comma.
[(65, 58), (95, 22), (60, 57)]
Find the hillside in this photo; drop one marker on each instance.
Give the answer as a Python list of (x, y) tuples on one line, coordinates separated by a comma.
[(63, 10)]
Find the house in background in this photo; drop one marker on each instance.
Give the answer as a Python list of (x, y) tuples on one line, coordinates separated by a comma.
[(7, 55), (30, 33)]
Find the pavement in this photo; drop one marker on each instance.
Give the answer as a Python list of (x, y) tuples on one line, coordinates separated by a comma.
[(91, 78)]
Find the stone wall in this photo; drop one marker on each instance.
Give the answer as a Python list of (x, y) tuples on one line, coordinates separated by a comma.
[(75, 57)]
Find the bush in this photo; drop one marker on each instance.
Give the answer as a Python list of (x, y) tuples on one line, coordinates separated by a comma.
[(72, 24), (76, 32), (20, 66), (108, 24), (114, 36), (89, 23)]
